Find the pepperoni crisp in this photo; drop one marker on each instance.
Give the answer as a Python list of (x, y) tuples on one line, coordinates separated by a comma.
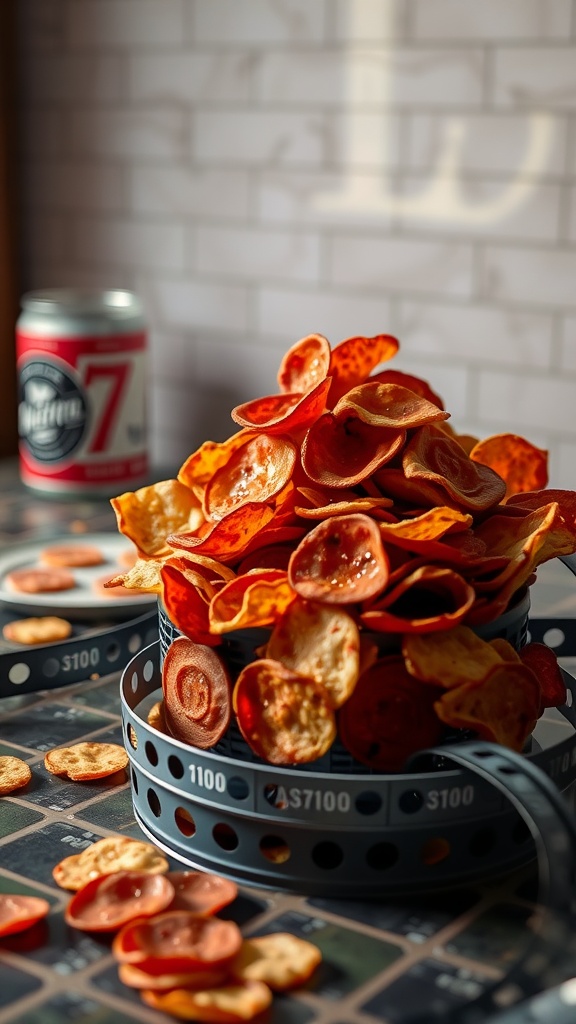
[(71, 555), (39, 581), (108, 902), (197, 693)]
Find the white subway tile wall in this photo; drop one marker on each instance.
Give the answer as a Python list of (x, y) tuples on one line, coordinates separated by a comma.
[(261, 169)]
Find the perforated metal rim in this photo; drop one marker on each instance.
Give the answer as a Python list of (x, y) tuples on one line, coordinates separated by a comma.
[(318, 832), (92, 655)]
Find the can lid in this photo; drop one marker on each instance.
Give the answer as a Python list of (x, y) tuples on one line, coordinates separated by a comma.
[(115, 302)]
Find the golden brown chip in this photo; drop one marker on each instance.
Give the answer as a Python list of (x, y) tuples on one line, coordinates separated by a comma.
[(281, 960), (44, 630), (83, 761), (144, 575), (450, 657), (502, 708), (319, 641), (504, 649), (149, 514), (114, 853), (14, 773), (156, 717), (229, 1004), (284, 717)]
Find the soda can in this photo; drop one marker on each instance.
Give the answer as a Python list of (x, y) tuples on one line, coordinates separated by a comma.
[(81, 364)]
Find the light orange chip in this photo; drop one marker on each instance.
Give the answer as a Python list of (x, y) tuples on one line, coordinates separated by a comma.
[(14, 773), (147, 516), (450, 657), (305, 364), (84, 761), (527, 541), (344, 451), (408, 380), (285, 718), (521, 464), (353, 360), (319, 641), (502, 708), (228, 1004), (388, 405), (114, 853), (433, 457), (340, 561), (254, 599), (257, 471), (420, 533), (201, 465), (281, 960)]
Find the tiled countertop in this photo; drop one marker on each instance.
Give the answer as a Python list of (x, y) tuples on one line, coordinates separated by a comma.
[(384, 960)]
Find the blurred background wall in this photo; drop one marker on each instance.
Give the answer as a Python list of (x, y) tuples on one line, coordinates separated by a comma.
[(258, 170)]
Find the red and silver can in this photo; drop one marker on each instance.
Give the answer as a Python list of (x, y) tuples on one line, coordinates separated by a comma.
[(81, 360)]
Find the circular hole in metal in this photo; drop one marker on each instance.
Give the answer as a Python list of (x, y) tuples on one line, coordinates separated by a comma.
[(275, 849), (237, 788), (153, 803), (521, 833), (382, 856), (113, 652), (435, 850), (19, 673), (134, 780), (134, 682), (151, 753), (225, 836), (482, 842), (51, 667), (134, 643), (554, 637), (184, 821), (272, 793), (148, 671), (327, 855), (569, 698), (175, 767), (410, 801), (132, 737), (368, 802)]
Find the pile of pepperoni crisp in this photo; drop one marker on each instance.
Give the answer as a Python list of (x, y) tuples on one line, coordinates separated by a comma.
[(349, 518), (167, 938)]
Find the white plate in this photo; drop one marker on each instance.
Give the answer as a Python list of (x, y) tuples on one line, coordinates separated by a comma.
[(81, 601)]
